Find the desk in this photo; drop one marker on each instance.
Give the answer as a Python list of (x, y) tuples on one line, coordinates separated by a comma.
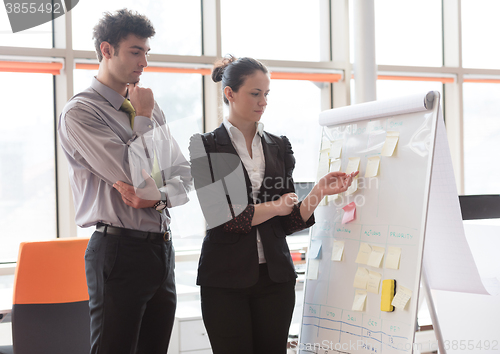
[(5, 302)]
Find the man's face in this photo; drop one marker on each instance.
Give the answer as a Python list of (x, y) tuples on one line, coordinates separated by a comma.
[(129, 60)]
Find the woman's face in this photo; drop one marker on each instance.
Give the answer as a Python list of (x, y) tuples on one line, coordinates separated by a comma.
[(250, 102)]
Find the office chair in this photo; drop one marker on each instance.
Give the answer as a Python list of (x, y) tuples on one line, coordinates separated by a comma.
[(50, 313)]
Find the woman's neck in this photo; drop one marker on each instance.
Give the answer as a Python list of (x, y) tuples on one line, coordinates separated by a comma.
[(248, 128)]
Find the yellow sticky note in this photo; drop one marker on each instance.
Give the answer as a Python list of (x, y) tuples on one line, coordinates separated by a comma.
[(373, 283), (403, 295), (324, 165), (372, 166), (312, 269), (391, 140), (325, 144), (388, 288), (338, 250), (393, 257), (376, 256), (353, 187), (364, 253), (336, 148), (361, 278), (359, 300), (335, 165), (353, 165)]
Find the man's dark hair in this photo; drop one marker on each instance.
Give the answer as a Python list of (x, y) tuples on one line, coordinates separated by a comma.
[(114, 27)]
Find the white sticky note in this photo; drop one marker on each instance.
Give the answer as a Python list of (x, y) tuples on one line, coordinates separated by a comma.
[(338, 250), (313, 269), (361, 278), (336, 148), (372, 166), (393, 257), (315, 249), (364, 253), (376, 256), (373, 283), (359, 300), (352, 165), (391, 140), (403, 295)]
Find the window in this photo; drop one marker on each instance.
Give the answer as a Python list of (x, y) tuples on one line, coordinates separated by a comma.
[(27, 161), (177, 23), (481, 135), (479, 26), (408, 32), (395, 88), (36, 37), (180, 97), (271, 29)]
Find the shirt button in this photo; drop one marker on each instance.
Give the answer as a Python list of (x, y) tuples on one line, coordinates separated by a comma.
[(149, 126), (254, 169)]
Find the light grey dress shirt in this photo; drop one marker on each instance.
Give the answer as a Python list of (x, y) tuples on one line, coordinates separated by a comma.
[(102, 148)]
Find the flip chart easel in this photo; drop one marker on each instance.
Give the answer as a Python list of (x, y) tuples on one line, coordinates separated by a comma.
[(342, 312)]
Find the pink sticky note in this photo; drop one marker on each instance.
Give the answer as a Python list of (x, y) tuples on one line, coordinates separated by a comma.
[(349, 213)]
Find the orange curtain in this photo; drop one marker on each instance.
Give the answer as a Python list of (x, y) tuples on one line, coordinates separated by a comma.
[(30, 67)]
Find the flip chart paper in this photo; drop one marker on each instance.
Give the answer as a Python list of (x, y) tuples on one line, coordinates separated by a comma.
[(391, 140), (361, 278), (315, 250), (376, 256), (325, 144), (364, 253), (403, 295), (338, 250), (349, 213), (335, 165), (373, 284), (323, 168), (393, 257), (336, 148), (313, 269), (359, 300), (372, 166)]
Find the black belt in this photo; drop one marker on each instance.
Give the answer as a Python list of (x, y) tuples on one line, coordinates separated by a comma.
[(120, 231)]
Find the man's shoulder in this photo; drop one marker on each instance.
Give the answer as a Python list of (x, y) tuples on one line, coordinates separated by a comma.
[(87, 98)]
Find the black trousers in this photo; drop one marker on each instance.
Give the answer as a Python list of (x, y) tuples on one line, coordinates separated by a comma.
[(253, 320), (132, 294)]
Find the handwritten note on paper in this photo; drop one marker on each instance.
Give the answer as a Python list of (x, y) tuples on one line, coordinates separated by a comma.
[(349, 213), (372, 166), (376, 256), (325, 144), (335, 165), (315, 249), (393, 257), (391, 140), (361, 278), (359, 300), (364, 253), (336, 148), (373, 282), (352, 165), (313, 269), (403, 295), (338, 250)]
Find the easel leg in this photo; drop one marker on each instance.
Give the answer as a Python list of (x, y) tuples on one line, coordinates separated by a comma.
[(432, 311)]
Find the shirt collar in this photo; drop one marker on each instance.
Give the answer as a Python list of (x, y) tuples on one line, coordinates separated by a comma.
[(231, 128), (110, 95)]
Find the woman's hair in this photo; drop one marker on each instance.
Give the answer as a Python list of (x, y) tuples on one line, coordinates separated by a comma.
[(233, 72)]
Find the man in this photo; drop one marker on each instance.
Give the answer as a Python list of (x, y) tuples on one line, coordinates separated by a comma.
[(115, 137)]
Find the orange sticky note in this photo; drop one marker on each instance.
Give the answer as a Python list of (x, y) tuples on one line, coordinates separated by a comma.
[(349, 213)]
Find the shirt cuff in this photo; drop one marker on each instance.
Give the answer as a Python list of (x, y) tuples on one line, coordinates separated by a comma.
[(294, 222), (176, 194), (142, 124)]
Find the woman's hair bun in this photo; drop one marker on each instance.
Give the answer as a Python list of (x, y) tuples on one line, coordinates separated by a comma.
[(220, 66)]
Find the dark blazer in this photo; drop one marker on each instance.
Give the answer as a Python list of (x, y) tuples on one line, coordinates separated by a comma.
[(229, 255)]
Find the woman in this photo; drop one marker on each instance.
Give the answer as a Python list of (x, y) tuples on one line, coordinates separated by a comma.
[(245, 271)]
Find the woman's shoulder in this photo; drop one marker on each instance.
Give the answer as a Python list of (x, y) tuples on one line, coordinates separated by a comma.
[(281, 140)]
